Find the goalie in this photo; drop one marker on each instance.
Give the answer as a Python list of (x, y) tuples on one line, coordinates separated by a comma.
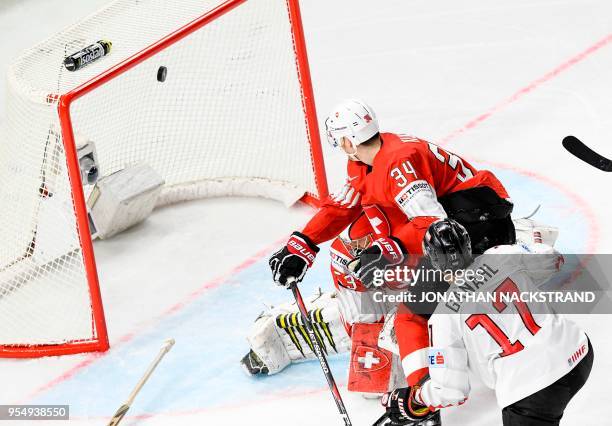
[(342, 320)]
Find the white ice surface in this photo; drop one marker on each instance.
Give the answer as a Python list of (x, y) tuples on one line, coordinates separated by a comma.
[(429, 68)]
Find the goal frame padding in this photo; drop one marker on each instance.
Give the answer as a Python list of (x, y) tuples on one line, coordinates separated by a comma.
[(100, 342)]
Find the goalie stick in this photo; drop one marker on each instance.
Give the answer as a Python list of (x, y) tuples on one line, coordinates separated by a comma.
[(318, 352), (120, 413), (586, 154)]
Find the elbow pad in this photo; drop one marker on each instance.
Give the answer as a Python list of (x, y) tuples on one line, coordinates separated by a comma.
[(449, 383)]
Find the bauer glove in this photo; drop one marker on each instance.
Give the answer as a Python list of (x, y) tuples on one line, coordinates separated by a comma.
[(403, 409), (384, 252), (293, 260)]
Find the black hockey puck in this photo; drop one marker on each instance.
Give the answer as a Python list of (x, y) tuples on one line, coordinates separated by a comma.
[(162, 72)]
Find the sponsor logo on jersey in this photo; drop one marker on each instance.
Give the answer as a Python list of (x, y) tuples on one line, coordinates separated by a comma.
[(339, 260), (577, 355), (436, 358), (408, 193)]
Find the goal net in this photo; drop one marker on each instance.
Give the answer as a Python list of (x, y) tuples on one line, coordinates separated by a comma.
[(233, 116)]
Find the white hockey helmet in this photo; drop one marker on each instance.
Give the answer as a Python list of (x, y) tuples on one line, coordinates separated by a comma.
[(352, 119)]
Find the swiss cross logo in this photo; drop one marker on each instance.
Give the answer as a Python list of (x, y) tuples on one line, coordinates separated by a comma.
[(368, 359), (435, 358), (367, 118)]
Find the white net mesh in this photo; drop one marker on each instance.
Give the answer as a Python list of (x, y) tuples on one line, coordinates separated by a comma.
[(228, 120)]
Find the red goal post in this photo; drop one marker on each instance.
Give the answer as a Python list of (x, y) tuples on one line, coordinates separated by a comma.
[(65, 104)]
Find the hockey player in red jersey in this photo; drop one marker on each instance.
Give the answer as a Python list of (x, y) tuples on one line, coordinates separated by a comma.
[(402, 184), (534, 359)]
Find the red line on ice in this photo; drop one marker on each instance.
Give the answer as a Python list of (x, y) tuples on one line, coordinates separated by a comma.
[(276, 396), (529, 88), (578, 202)]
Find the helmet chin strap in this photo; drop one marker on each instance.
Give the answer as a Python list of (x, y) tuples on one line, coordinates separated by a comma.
[(353, 155)]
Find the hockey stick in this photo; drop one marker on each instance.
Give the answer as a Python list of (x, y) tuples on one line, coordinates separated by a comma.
[(586, 154), (120, 413), (318, 352), (382, 420)]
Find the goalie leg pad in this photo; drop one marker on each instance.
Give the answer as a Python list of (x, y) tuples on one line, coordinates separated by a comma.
[(529, 232), (267, 344), (279, 336)]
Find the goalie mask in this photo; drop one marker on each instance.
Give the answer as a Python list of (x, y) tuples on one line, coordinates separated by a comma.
[(352, 119), (358, 236)]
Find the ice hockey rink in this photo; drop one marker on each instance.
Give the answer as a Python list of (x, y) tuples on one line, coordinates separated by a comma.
[(498, 82)]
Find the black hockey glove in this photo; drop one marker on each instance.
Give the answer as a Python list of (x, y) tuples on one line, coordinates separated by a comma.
[(402, 409), (384, 252), (293, 260)]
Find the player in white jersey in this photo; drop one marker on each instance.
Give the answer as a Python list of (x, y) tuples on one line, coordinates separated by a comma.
[(535, 359)]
